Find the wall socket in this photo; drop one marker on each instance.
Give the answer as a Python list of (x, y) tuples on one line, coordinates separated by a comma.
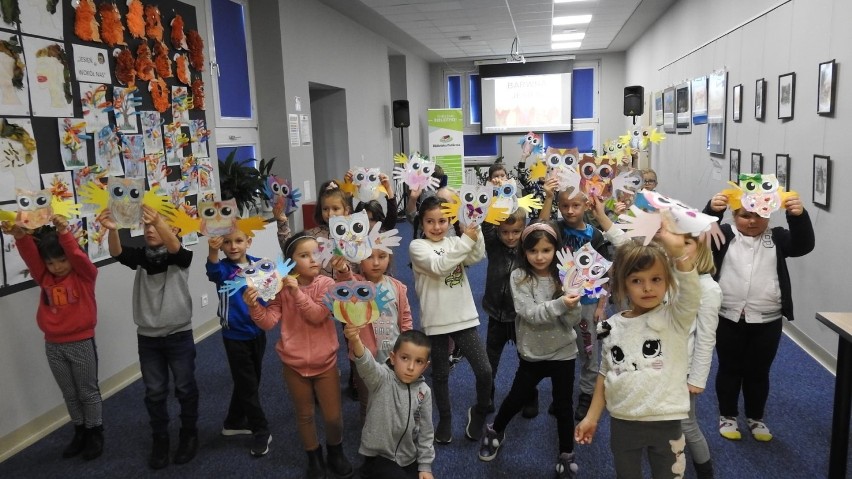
[(204, 300)]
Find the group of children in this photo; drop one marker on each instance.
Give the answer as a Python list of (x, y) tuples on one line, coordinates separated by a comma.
[(646, 363)]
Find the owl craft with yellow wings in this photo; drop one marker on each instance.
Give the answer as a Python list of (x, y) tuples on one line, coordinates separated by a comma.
[(265, 275), (36, 208), (641, 138), (216, 218), (507, 198), (125, 197), (473, 206), (757, 193), (368, 185), (357, 302)]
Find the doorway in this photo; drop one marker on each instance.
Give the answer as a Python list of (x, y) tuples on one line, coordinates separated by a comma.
[(330, 131)]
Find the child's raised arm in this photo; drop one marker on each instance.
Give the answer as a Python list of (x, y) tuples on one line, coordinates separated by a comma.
[(106, 220), (213, 246), (549, 193), (352, 334), (150, 216)]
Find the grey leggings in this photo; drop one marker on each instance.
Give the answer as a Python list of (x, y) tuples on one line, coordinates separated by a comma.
[(75, 367), (695, 440), (471, 346), (663, 440)]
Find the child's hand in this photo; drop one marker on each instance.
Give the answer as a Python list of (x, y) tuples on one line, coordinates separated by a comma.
[(472, 232), (719, 202), (351, 332), (413, 194), (497, 181), (12, 229), (250, 296), (620, 207), (291, 284), (105, 219), (339, 264), (386, 182), (550, 186), (585, 431), (150, 216), (674, 244), (278, 212), (61, 223), (215, 243), (793, 205), (571, 299), (694, 389), (425, 475), (347, 178)]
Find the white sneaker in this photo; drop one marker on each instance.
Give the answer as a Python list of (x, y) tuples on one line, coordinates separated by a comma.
[(728, 428), (759, 430)]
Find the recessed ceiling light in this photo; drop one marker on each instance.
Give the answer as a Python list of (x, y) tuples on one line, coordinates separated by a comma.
[(568, 1), (567, 37), (565, 45), (572, 20)]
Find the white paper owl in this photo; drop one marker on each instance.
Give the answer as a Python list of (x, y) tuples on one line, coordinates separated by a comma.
[(352, 238), (760, 194), (507, 198), (416, 171), (125, 200), (562, 164), (356, 302), (583, 271), (264, 275), (218, 218), (628, 181), (368, 184), (650, 209), (475, 202), (34, 208)]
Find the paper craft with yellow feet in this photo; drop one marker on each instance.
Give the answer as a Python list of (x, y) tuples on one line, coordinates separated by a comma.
[(124, 197), (507, 197), (474, 205), (36, 208), (366, 185), (757, 193), (641, 138), (216, 218)]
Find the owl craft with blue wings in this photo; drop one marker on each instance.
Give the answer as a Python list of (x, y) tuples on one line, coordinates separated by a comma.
[(281, 193), (416, 171), (757, 193), (357, 302), (216, 218), (265, 275), (125, 199), (352, 238), (582, 272), (650, 209), (473, 206), (36, 208), (531, 144), (507, 198)]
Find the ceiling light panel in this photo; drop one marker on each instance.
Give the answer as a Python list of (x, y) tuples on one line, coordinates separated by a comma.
[(572, 20)]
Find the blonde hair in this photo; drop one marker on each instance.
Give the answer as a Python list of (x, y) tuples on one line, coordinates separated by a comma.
[(633, 257), (703, 256)]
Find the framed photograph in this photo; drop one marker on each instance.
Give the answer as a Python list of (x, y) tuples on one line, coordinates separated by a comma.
[(822, 180), (759, 98), (717, 98), (825, 88), (786, 95), (658, 108), (738, 103), (669, 110), (782, 170), (735, 165), (683, 119), (699, 101), (756, 163)]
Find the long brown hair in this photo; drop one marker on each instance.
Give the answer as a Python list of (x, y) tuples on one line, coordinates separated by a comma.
[(529, 241)]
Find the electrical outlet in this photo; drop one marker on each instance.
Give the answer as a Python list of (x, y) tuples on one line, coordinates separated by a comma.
[(204, 300)]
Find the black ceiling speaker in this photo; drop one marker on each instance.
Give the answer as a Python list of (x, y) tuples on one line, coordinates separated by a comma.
[(633, 100), (401, 118)]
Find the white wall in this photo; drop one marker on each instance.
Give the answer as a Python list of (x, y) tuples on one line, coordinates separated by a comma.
[(794, 37)]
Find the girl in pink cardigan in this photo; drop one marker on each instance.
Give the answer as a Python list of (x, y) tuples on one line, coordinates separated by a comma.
[(308, 349)]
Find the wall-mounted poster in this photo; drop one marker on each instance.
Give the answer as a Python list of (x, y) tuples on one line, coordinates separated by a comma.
[(49, 76), (14, 87), (699, 101), (683, 118), (42, 17), (822, 180), (735, 166), (658, 108), (759, 99), (132, 151), (717, 93), (825, 88), (106, 151), (152, 129), (59, 183), (18, 157), (786, 95), (124, 102), (737, 114), (669, 110)]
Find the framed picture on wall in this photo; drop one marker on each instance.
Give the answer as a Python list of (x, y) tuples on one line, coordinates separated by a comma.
[(822, 180), (683, 99), (717, 98), (735, 165), (782, 170), (738, 103), (699, 101), (759, 98), (658, 108), (756, 163), (786, 95), (825, 88), (669, 110)]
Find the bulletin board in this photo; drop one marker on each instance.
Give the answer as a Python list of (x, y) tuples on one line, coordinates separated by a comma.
[(69, 112)]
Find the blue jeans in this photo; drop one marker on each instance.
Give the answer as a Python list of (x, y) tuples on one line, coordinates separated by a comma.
[(175, 352)]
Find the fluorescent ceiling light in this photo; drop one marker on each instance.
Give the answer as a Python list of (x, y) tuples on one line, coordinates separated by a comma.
[(567, 37), (568, 1), (572, 20), (565, 45)]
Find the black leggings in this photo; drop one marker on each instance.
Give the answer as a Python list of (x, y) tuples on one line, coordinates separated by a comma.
[(469, 342)]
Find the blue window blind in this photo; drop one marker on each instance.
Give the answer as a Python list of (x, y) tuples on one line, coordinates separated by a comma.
[(583, 93), (475, 99), (480, 145), (231, 53), (243, 153), (582, 140), (454, 92)]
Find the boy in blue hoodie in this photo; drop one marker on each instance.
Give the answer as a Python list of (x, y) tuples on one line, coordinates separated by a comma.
[(245, 343), (397, 441)]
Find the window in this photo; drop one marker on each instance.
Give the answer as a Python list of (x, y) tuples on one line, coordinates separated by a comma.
[(474, 105)]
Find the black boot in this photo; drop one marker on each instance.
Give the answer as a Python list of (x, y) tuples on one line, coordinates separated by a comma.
[(94, 442), (704, 470), (78, 442), (159, 452), (187, 447), (316, 465), (337, 462)]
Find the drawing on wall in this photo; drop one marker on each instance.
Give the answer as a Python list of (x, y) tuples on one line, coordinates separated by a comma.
[(782, 170), (59, 184), (738, 104), (658, 108), (106, 151), (699, 101), (132, 151), (124, 104), (157, 170), (735, 165), (822, 180), (175, 140), (152, 129), (88, 174), (684, 111), (759, 98), (826, 87), (198, 135), (206, 178), (49, 77), (18, 157), (16, 270), (786, 95), (189, 174), (42, 17), (96, 106), (14, 87), (97, 239), (72, 142), (669, 110), (717, 88), (181, 104)]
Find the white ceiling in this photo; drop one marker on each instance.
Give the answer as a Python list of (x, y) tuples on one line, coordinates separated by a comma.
[(470, 29)]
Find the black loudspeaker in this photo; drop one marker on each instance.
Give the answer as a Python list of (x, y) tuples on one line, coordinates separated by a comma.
[(633, 101), (400, 114)]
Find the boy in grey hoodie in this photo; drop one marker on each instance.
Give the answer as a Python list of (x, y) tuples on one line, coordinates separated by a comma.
[(397, 441)]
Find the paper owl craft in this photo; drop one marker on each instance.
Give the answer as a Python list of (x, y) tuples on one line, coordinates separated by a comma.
[(507, 198), (356, 302), (36, 208), (757, 193), (596, 175), (216, 218), (473, 206), (265, 275), (416, 171), (641, 138), (125, 197), (650, 209), (352, 238), (367, 185), (559, 163), (531, 144), (280, 192), (628, 181), (583, 271)]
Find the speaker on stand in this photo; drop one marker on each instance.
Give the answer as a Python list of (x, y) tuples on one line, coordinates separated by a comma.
[(401, 119), (634, 101)]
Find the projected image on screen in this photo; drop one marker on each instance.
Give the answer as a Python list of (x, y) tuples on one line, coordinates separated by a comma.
[(517, 104)]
